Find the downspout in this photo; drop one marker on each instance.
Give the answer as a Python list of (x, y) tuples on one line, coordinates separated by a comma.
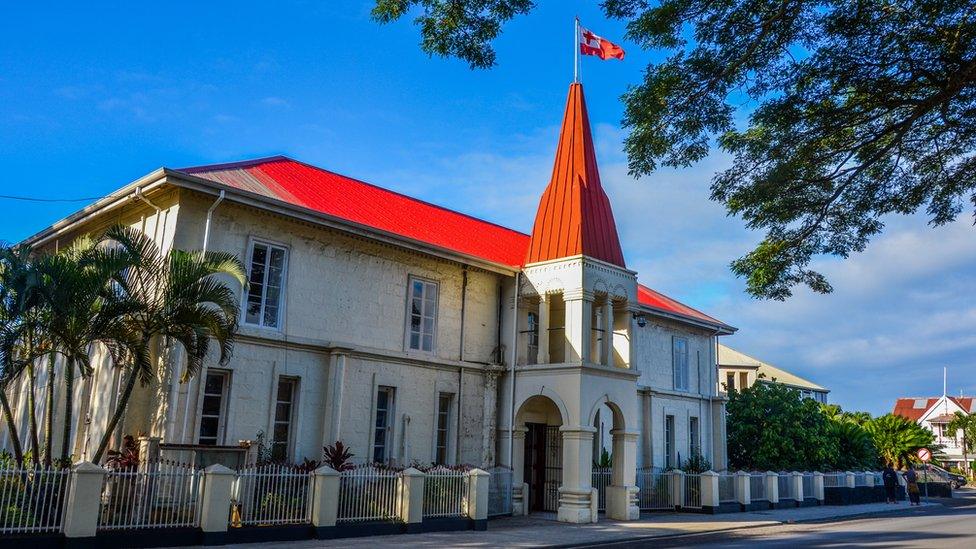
[(159, 211), (511, 373), (203, 373), (457, 419)]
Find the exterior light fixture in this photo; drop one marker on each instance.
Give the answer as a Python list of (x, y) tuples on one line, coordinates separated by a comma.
[(641, 319)]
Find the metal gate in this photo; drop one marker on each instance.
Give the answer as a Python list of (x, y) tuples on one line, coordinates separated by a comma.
[(554, 467), (543, 466)]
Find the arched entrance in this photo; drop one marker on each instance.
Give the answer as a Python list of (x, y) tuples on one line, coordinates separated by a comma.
[(539, 456), (615, 481)]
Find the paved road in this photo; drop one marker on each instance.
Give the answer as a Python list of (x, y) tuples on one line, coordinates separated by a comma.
[(948, 526)]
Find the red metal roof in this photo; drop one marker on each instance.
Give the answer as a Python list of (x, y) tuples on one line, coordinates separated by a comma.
[(907, 408), (574, 216), (656, 300)]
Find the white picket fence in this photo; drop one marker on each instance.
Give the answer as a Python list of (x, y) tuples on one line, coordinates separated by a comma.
[(726, 488), (32, 500), (833, 480), (446, 492), (271, 494), (693, 491), (601, 478), (369, 493), (157, 495), (500, 491), (808, 485), (757, 487)]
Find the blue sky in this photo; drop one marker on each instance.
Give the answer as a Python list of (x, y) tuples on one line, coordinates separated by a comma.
[(93, 96)]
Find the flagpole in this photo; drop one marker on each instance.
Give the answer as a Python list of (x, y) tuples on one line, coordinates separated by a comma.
[(576, 50)]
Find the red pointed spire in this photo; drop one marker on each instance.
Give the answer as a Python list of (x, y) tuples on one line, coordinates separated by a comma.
[(574, 214)]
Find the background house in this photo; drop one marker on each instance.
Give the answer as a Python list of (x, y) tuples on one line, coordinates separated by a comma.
[(739, 371), (935, 413)]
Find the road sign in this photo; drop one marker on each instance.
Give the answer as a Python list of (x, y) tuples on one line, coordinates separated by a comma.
[(925, 455)]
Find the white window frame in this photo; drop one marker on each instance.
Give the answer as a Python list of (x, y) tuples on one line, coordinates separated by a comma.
[(388, 428), (409, 314), (284, 284), (292, 415), (694, 436), (222, 412), (448, 430), (679, 364)]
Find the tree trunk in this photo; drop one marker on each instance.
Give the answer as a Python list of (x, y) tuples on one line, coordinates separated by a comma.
[(116, 417), (69, 397), (11, 427), (32, 415), (49, 416)]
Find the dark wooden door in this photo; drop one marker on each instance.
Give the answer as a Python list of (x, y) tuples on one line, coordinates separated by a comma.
[(535, 464)]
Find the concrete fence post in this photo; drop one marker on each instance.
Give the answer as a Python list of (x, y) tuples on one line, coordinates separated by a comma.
[(525, 499), (594, 505), (818, 487), (411, 494), (325, 497), (742, 489), (772, 487), (215, 502), (798, 494), (869, 479), (851, 479), (709, 490), (677, 487), (84, 494), (478, 498)]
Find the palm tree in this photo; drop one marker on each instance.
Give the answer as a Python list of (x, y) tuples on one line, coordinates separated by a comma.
[(967, 424), (898, 439), (85, 308), (11, 300), (181, 297)]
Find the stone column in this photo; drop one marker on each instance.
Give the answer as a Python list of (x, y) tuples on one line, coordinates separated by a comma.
[(574, 494), (544, 303), (710, 499), (677, 477), (148, 451), (797, 481), (818, 487), (606, 348), (621, 494), (478, 498), (579, 306), (772, 488), (215, 503), (325, 497), (332, 420), (742, 489), (411, 493), (84, 493)]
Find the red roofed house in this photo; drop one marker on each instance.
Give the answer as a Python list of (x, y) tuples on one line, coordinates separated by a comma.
[(935, 413), (392, 324)]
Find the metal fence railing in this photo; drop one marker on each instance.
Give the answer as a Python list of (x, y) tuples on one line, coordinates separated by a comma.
[(446, 492), (271, 494), (693, 491), (499, 491), (784, 486), (32, 500), (157, 495), (757, 487), (601, 478), (726, 488), (808, 485), (655, 490), (861, 478), (368, 493), (834, 480), (878, 479)]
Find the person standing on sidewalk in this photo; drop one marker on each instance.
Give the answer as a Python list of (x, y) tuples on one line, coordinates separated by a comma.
[(911, 477), (890, 480)]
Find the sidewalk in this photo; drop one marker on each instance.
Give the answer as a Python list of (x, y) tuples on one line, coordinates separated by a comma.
[(533, 531)]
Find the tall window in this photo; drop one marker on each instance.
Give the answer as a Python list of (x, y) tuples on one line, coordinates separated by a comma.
[(384, 423), (532, 337), (282, 419), (423, 313), (266, 277), (212, 414), (730, 381), (669, 457), (680, 358), (743, 380), (694, 436), (444, 402)]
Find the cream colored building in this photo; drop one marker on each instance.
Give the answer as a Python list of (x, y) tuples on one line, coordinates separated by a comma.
[(739, 371), (413, 333)]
